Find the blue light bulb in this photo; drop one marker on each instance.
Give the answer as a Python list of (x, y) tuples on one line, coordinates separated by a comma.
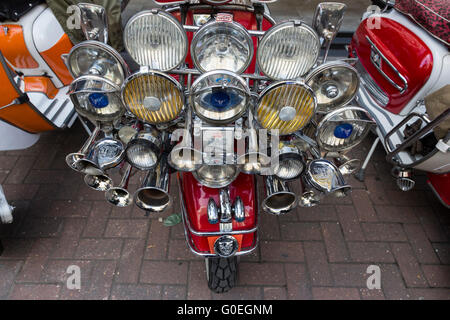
[(343, 131), (98, 100)]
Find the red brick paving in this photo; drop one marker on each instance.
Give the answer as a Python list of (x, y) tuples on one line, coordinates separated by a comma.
[(316, 253)]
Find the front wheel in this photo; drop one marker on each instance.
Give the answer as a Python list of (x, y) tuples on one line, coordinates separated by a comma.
[(221, 273)]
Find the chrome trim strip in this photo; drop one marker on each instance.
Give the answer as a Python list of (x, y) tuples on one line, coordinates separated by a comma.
[(371, 86)]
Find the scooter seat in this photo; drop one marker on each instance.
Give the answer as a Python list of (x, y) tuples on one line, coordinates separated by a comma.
[(432, 15)]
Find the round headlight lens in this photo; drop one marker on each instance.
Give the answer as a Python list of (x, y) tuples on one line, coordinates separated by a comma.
[(334, 84), (222, 45), (220, 96), (343, 129), (216, 176), (290, 162), (96, 98), (96, 58), (156, 40), (286, 106), (143, 151), (288, 50), (153, 97)]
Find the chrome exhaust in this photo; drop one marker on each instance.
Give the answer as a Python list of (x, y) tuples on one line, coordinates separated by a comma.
[(310, 197), (279, 199), (154, 195), (120, 196), (73, 158)]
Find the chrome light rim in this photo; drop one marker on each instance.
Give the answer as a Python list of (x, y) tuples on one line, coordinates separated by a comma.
[(152, 142), (152, 73), (278, 27), (172, 20), (328, 65), (368, 119), (100, 45), (274, 86), (228, 73), (216, 184), (234, 24)]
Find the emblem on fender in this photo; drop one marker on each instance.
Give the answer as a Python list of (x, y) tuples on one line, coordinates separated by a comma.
[(226, 246)]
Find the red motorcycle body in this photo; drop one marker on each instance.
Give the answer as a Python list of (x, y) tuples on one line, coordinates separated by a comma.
[(440, 184)]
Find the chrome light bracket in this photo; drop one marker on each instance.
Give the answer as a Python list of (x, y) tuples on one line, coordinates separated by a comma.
[(226, 212)]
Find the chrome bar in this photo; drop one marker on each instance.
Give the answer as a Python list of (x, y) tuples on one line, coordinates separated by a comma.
[(417, 135), (195, 72)]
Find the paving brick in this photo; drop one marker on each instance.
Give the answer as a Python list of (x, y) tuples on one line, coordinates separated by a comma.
[(269, 227), (174, 293), (397, 214), (56, 272), (35, 263), (431, 225), (349, 223), (20, 171), (136, 292), (7, 162), (410, 198), (35, 292), (157, 242), (317, 262), (298, 282), (261, 274), (282, 251), (178, 250), (197, 284), (370, 252), (376, 190), (42, 227), (45, 176), (334, 242), (127, 228), (430, 294), (392, 283), (300, 231), (321, 293), (240, 293), (20, 191), (420, 244), (437, 275), (99, 249), (363, 206), (101, 280), (68, 242), (8, 272), (384, 232), (274, 293), (349, 275), (70, 209), (161, 272), (130, 261), (318, 213), (16, 248), (371, 294), (98, 218), (443, 252)]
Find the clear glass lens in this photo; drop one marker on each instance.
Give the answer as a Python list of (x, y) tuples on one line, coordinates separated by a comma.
[(156, 40), (96, 99), (288, 51), (222, 45), (289, 169), (141, 156), (334, 84), (343, 130), (93, 59), (216, 176), (219, 97), (153, 98), (287, 107)]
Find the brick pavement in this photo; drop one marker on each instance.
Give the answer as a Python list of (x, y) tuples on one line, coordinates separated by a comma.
[(316, 253)]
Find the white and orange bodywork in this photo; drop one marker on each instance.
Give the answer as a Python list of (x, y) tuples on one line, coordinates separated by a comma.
[(32, 64)]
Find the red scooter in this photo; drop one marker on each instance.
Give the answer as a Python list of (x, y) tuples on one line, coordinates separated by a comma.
[(404, 63)]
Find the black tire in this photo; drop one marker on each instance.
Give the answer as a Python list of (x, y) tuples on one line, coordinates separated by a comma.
[(222, 274)]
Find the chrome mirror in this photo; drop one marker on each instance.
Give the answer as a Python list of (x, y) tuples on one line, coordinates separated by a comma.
[(327, 21), (94, 22)]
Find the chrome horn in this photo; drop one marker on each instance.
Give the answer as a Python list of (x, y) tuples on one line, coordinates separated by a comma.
[(73, 158), (324, 176), (279, 199), (119, 196), (93, 22), (327, 21), (154, 195), (100, 182)]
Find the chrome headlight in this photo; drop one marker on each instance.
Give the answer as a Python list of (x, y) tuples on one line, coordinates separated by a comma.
[(156, 39), (153, 97), (220, 96), (288, 50), (96, 58), (290, 163), (143, 151), (343, 129), (334, 84), (216, 176), (287, 106), (222, 45), (96, 98)]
